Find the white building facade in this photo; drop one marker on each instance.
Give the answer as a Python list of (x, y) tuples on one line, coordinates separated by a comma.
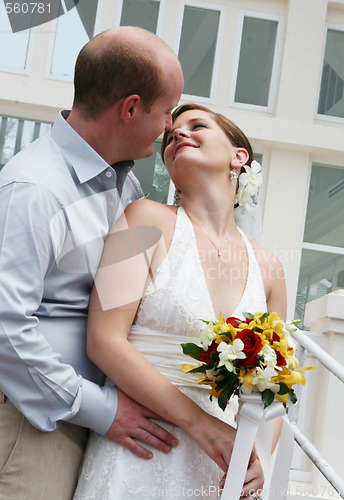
[(274, 67)]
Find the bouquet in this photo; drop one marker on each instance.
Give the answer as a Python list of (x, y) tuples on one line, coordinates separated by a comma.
[(254, 355)]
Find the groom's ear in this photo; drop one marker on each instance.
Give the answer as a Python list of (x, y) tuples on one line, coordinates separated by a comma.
[(129, 107)]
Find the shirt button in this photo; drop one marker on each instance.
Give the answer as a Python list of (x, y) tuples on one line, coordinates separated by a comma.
[(108, 174)]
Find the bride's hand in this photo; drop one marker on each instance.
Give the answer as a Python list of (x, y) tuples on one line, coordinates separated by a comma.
[(254, 479), (216, 438), (133, 422)]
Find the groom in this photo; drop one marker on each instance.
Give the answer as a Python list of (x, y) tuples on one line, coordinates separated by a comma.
[(59, 198)]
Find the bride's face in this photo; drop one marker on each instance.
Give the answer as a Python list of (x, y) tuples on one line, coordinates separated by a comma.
[(196, 140)]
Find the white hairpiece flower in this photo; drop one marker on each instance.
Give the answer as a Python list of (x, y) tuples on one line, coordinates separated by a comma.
[(249, 183)]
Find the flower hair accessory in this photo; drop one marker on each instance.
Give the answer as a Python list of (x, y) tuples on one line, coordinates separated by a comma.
[(249, 182)]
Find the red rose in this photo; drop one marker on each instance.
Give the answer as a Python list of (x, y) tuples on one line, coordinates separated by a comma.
[(280, 359), (275, 337), (233, 321), (206, 354), (252, 345)]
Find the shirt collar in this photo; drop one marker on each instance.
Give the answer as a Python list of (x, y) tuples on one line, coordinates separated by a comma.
[(85, 161)]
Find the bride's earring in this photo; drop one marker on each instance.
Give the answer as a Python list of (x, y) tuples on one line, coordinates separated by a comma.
[(233, 175), (177, 198)]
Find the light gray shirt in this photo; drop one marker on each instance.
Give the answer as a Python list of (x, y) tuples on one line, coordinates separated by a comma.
[(58, 201)]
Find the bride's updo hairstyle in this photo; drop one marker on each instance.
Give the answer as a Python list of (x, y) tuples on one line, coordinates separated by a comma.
[(235, 135)]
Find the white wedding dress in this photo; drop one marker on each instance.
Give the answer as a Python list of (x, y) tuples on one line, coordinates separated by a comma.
[(169, 315)]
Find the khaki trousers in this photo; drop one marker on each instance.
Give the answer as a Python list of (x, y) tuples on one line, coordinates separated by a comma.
[(36, 465)]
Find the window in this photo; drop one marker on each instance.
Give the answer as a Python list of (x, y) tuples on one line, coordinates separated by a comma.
[(322, 260), (153, 176), (14, 45), (16, 134), (197, 51), (142, 13), (331, 98), (74, 30), (255, 61)]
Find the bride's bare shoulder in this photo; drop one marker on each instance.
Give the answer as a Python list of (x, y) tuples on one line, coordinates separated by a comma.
[(146, 212)]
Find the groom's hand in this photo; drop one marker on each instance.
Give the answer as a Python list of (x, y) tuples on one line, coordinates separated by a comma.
[(133, 422)]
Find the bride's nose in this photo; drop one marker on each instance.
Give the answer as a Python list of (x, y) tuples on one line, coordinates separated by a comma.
[(179, 132)]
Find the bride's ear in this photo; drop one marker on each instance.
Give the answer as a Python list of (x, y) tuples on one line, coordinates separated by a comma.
[(240, 159)]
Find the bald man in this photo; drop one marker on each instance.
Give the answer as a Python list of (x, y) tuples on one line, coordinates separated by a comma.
[(59, 198)]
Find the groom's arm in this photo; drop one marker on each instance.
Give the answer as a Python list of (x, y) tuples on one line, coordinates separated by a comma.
[(32, 375)]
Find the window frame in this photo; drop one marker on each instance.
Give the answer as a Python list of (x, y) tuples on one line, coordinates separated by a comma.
[(159, 26), (276, 63), (222, 9), (318, 116), (29, 56), (315, 247), (52, 39)]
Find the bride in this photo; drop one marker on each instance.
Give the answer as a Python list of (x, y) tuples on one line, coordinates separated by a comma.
[(164, 269)]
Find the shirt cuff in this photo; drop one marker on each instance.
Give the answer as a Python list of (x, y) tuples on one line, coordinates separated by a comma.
[(98, 407)]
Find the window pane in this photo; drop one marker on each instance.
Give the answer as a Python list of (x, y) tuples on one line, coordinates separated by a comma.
[(320, 273), (331, 99), (142, 13), (325, 209), (255, 61), (14, 45), (16, 134), (73, 31), (197, 49), (153, 176)]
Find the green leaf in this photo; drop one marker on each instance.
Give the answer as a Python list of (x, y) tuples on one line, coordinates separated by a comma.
[(248, 315), (199, 369), (224, 396), (192, 350), (283, 389), (267, 397), (230, 380), (214, 357), (292, 396)]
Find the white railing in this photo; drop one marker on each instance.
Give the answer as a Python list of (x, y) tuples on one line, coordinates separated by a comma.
[(321, 409), (311, 451)]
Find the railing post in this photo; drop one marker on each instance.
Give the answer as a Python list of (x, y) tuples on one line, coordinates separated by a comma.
[(325, 408)]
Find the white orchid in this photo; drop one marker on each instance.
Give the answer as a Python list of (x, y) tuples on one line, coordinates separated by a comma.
[(249, 183), (286, 330), (207, 336), (269, 356), (229, 353), (263, 379)]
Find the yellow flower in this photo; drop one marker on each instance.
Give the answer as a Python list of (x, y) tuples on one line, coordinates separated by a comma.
[(283, 398), (289, 377), (215, 393), (247, 378), (203, 381), (186, 368)]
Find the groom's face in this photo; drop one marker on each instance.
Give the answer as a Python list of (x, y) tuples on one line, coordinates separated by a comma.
[(150, 124)]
